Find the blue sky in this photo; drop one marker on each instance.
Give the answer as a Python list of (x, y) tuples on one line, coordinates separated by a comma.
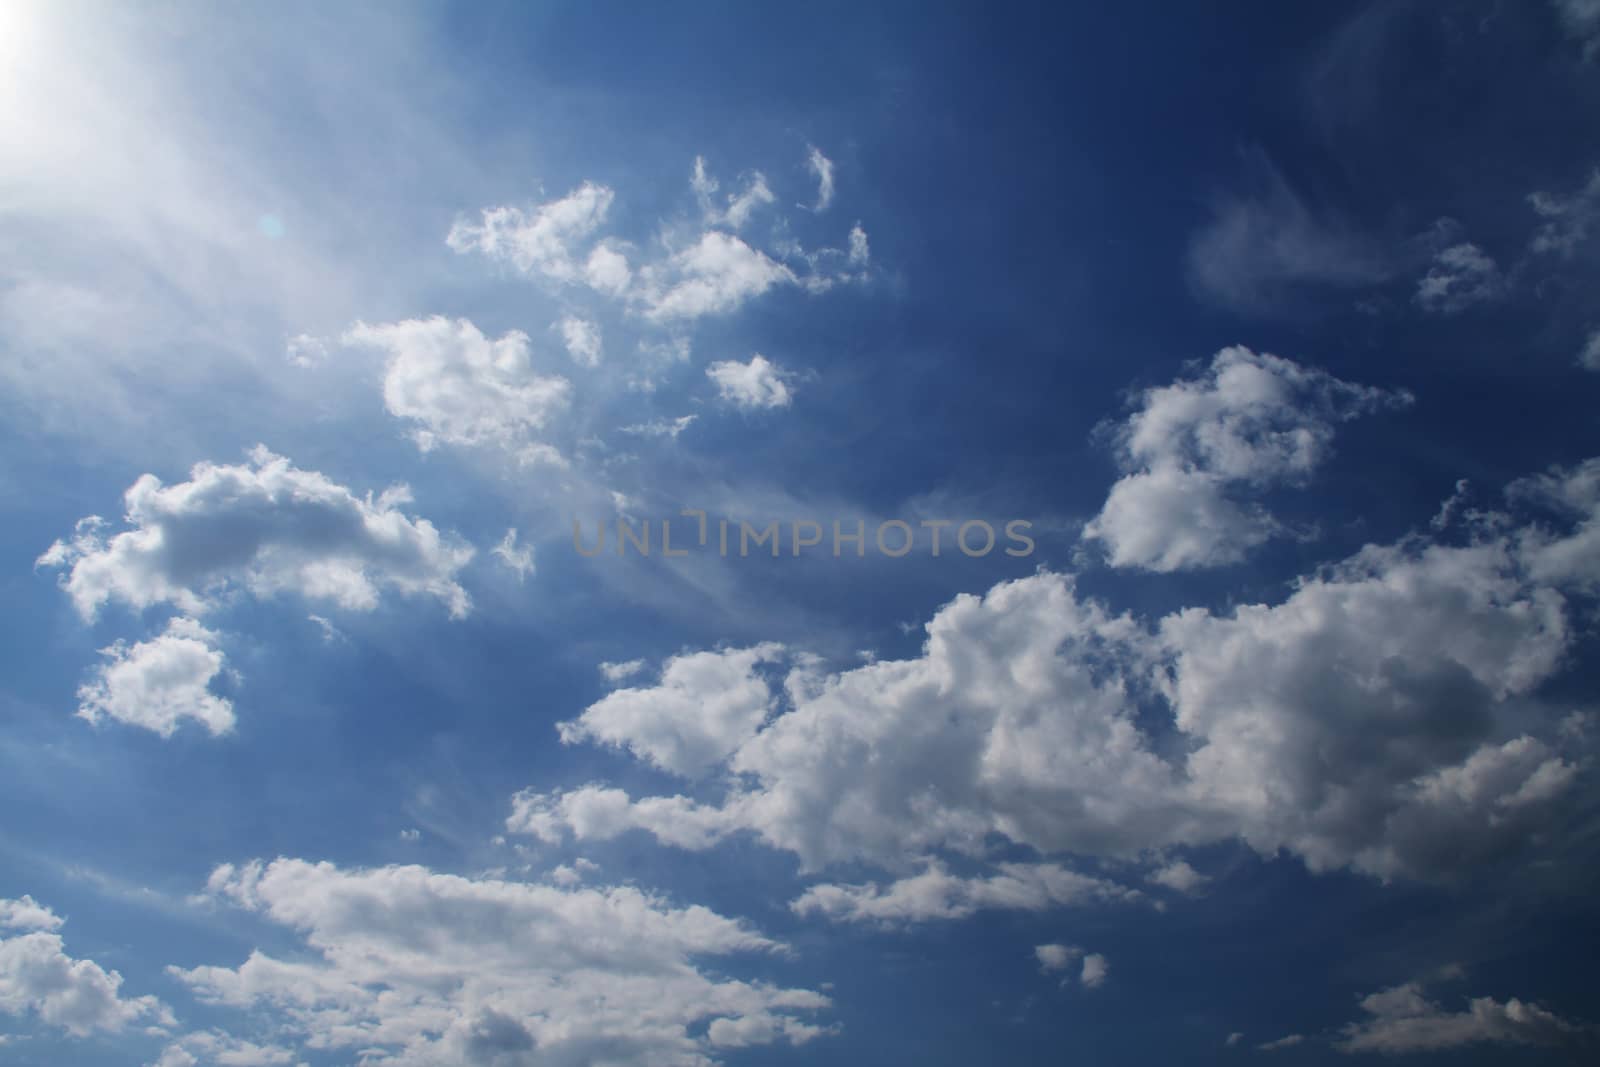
[(320, 328)]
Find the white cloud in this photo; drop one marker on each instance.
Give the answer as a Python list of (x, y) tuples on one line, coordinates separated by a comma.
[(738, 206), (303, 350), (541, 241), (1095, 969), (935, 893), (265, 526), (1289, 1041), (1460, 276), (1234, 1038), (703, 708), (461, 388), (1589, 355), (1382, 717), (669, 428), (618, 672), (412, 968), (751, 386), (1192, 449), (860, 255), (1402, 1019), (607, 270), (517, 558), (1179, 877), (156, 684), (582, 338), (1055, 957), (1568, 220), (715, 275), (822, 167), (76, 995), (214, 1047), (25, 913)]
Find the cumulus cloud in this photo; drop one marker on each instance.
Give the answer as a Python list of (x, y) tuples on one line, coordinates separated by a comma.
[(715, 275), (79, 996), (1055, 957), (751, 386), (1404, 1020), (264, 526), (460, 388), (822, 168), (935, 893), (206, 1047), (156, 684), (540, 241), (1179, 877), (303, 350), (1460, 276), (1094, 972), (25, 913), (705, 706), (582, 338), (1384, 717), (408, 967), (1195, 449)]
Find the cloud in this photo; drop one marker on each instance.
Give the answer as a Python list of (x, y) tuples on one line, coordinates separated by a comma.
[(1568, 220), (76, 995), (739, 206), (618, 672), (158, 683), (303, 350), (1259, 251), (25, 913), (1290, 1041), (936, 894), (704, 707), (224, 1050), (516, 558), (461, 388), (409, 967), (1382, 717), (1095, 969), (1055, 957), (751, 386), (265, 526), (822, 167), (541, 241), (1461, 276), (669, 428), (1192, 449), (582, 338), (715, 275), (1402, 1019), (1581, 20), (1589, 355), (1179, 877)]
